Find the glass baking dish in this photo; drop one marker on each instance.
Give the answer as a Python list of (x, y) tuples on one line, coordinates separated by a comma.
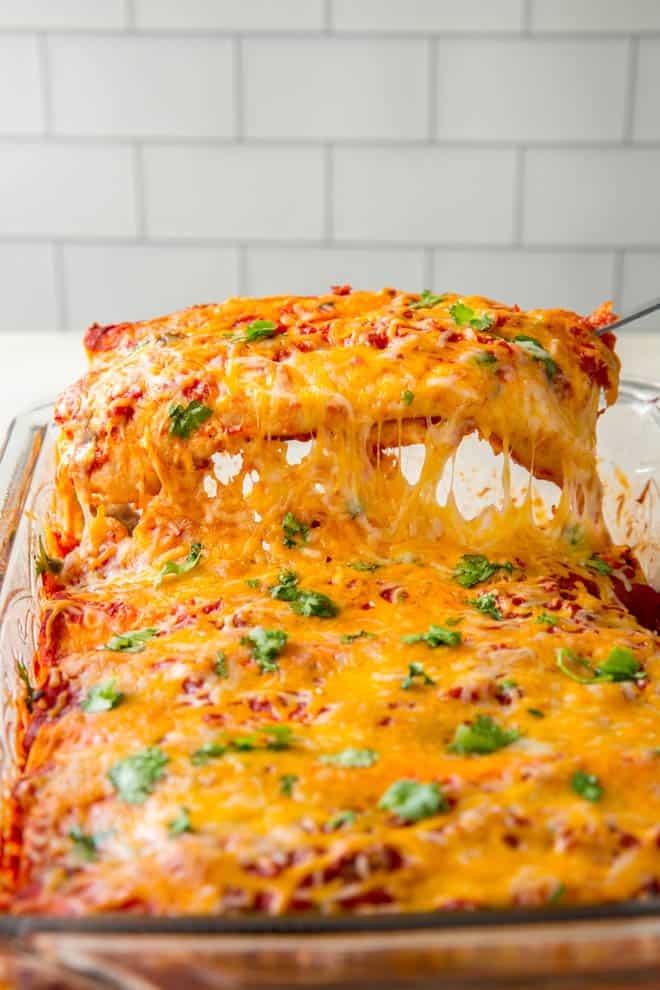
[(614, 945)]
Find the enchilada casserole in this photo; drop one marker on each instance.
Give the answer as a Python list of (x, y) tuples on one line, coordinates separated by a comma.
[(277, 673)]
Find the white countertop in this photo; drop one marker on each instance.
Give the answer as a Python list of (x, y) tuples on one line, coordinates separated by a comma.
[(34, 367)]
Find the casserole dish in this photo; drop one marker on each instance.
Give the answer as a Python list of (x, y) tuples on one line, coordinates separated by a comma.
[(613, 945)]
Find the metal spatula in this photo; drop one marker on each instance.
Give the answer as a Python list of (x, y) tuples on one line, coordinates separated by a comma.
[(637, 314)]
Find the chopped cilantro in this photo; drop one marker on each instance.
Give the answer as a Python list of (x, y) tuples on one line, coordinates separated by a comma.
[(209, 751), (545, 619), (587, 785), (265, 646), (256, 330), (426, 300), (351, 757), (531, 346), (463, 315), (411, 800), (508, 685), (293, 527), (436, 636), (597, 564), (415, 670), (351, 637), (486, 602), (171, 567), (314, 603), (286, 589), (130, 642), (253, 582), (44, 564), (135, 777), (287, 783), (557, 893), (346, 817), (474, 568), (220, 664), (180, 823), (30, 694), (102, 697), (535, 713), (244, 744), (482, 736), (407, 397), (280, 736), (620, 665), (364, 565), (184, 420), (485, 359), (85, 845)]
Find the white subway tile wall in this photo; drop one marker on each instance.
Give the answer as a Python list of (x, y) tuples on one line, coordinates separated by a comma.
[(160, 153)]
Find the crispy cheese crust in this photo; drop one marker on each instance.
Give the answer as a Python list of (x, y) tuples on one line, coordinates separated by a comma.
[(279, 676)]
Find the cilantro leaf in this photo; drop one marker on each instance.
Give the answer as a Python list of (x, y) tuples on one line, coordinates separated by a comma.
[(407, 397), (265, 646), (411, 800), (85, 845), (587, 785), (426, 300), (535, 713), (342, 818), (544, 619), (531, 346), (597, 564), (256, 330), (180, 823), (474, 568), (482, 735), (436, 636), (462, 315), (44, 564), (415, 670), (253, 582), (209, 751), (351, 637), (486, 603), (620, 665), (286, 589), (351, 757), (30, 694), (280, 736), (171, 567), (485, 359), (287, 783), (135, 777), (184, 420), (365, 565), (220, 664), (131, 642), (293, 527), (102, 697), (314, 603)]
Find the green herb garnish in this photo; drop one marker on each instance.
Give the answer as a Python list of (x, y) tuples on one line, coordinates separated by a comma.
[(351, 637), (436, 636), (30, 694), (411, 800), (364, 565), (172, 567), (620, 665), (220, 664), (209, 751), (135, 777), (531, 346), (416, 672), (280, 736), (463, 315), (486, 603), (85, 845), (293, 527), (342, 818), (131, 642), (257, 330), (351, 757), (485, 359), (407, 397), (265, 646), (180, 823), (545, 619), (184, 420), (287, 783), (426, 300), (587, 785), (474, 568), (314, 603), (102, 697), (44, 564), (535, 713), (481, 736), (253, 582), (597, 564), (286, 589)]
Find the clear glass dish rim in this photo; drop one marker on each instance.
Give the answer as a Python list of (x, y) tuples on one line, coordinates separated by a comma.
[(16, 436)]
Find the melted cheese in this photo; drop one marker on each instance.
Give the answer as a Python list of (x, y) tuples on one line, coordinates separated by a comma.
[(352, 376)]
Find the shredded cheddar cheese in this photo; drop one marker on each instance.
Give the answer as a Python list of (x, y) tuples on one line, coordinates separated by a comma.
[(274, 674)]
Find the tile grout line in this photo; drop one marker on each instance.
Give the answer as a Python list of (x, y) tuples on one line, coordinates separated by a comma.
[(239, 84), (526, 19), (630, 92), (129, 15), (433, 89), (327, 19), (45, 83)]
